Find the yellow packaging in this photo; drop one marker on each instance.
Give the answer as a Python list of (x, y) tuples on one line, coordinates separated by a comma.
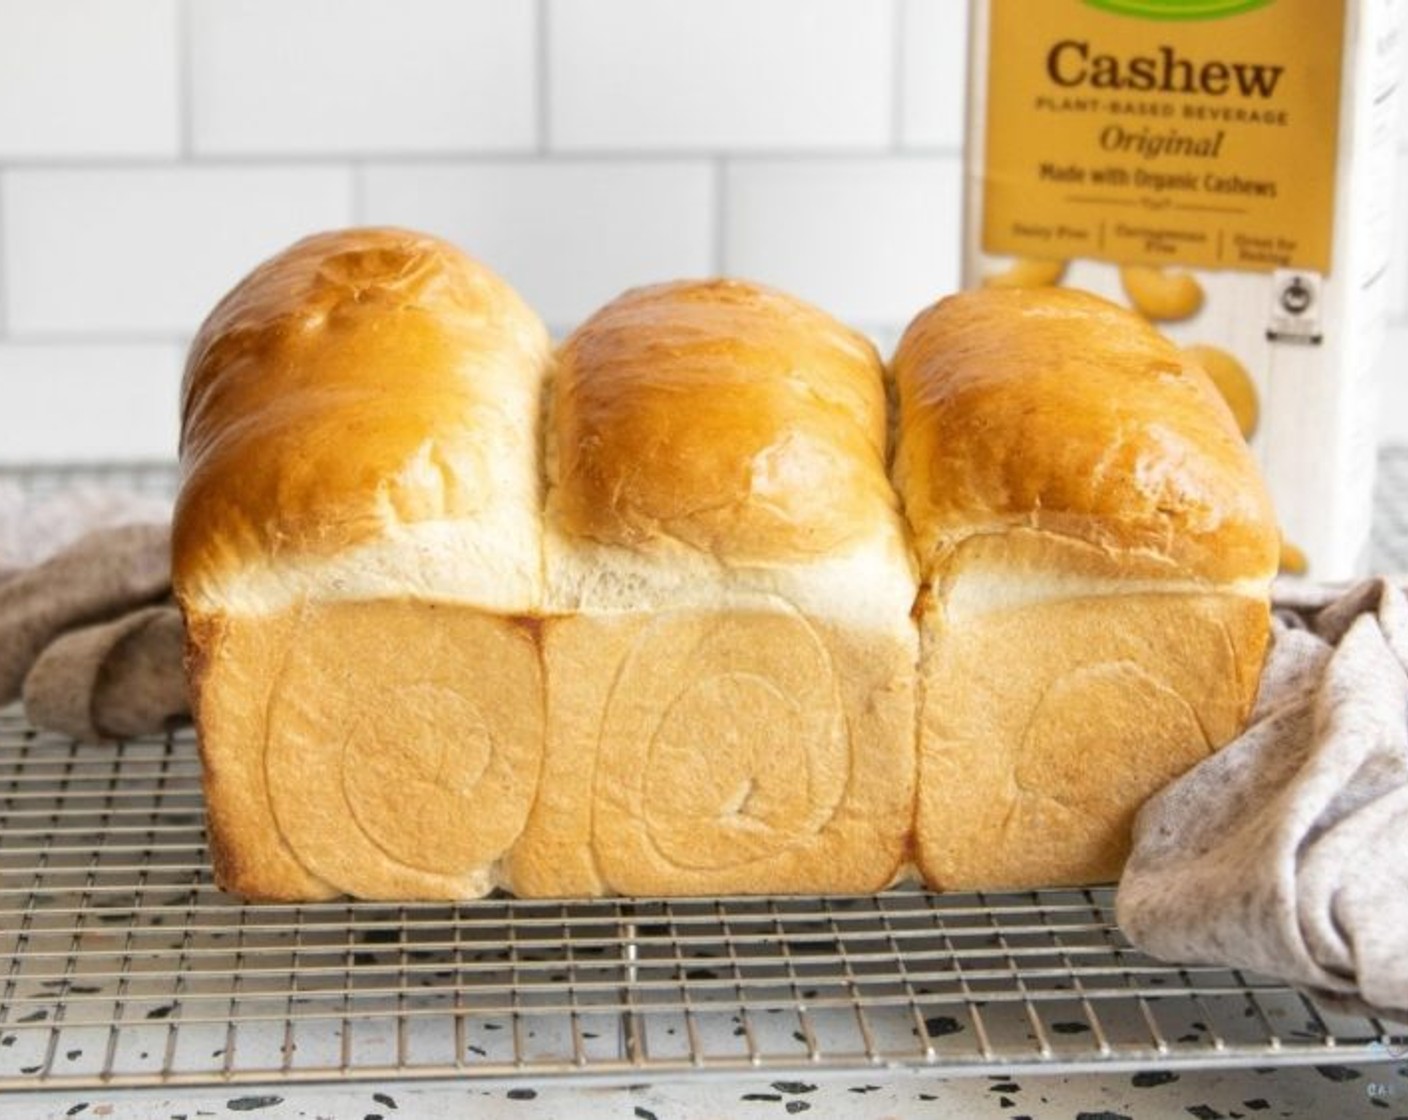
[(1225, 168)]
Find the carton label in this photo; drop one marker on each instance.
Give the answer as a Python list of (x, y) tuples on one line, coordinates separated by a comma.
[(1164, 132)]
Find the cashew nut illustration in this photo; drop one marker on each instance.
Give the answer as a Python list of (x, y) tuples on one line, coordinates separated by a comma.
[(1027, 272), (1232, 381), (1159, 295)]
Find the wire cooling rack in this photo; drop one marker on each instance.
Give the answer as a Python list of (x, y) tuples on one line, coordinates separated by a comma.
[(122, 965)]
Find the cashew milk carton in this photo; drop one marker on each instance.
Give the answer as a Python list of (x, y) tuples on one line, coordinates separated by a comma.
[(1224, 167)]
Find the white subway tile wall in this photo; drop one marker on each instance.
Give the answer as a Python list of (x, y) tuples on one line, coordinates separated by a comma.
[(868, 238), (934, 48), (151, 151), (147, 251), (86, 79), (569, 235), (348, 77), (113, 402), (727, 74)]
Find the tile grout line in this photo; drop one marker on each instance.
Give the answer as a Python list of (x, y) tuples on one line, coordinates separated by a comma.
[(474, 157), (542, 82), (185, 84)]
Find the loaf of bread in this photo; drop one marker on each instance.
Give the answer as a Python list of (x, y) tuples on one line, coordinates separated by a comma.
[(728, 646), (649, 616), (1096, 549), (357, 537)]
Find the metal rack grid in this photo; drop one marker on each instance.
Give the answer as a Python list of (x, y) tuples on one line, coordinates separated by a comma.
[(122, 965)]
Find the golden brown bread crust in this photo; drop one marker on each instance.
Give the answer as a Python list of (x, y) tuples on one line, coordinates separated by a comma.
[(1057, 410), (358, 383), (724, 415)]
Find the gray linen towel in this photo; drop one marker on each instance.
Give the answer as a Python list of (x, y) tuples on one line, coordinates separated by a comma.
[(112, 681), (1287, 851), (102, 576), (82, 636)]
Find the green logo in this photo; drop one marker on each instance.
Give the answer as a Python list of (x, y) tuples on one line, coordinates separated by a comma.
[(1178, 9)]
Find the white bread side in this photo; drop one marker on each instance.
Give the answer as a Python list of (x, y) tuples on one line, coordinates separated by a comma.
[(1057, 696), (358, 527), (1096, 551), (728, 651)]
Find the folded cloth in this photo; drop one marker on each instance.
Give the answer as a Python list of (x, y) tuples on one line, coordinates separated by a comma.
[(1285, 851), (102, 576), (111, 681)]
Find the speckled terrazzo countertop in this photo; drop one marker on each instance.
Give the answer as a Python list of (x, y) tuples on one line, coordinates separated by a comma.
[(1309, 1093)]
